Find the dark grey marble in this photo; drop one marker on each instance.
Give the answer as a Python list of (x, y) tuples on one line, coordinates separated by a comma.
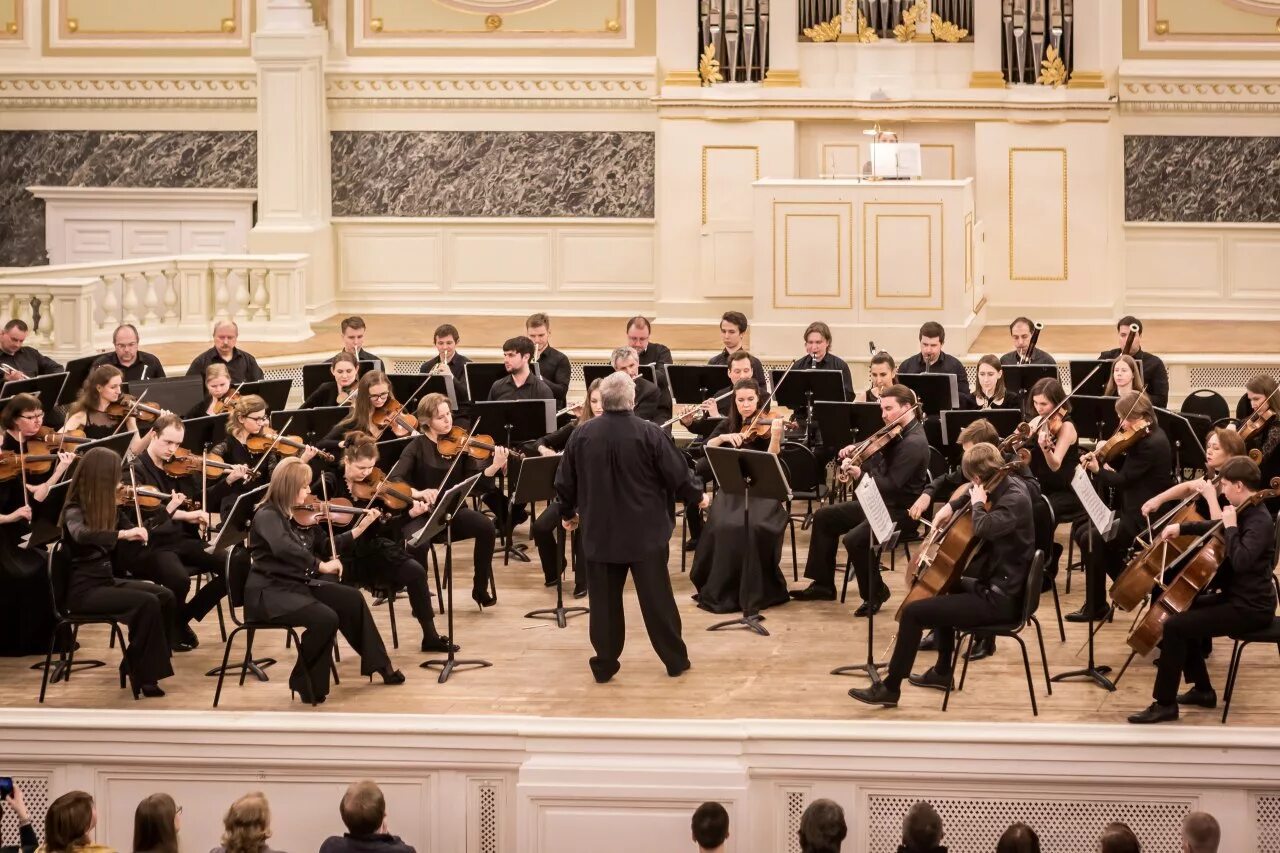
[(1202, 178), (109, 159), (491, 173)]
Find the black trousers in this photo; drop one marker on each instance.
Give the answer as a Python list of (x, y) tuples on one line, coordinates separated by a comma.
[(550, 552), (1106, 560), (1182, 649), (147, 609), (467, 524), (844, 522), (968, 608), (693, 515), (335, 608), (657, 607), (396, 571), (172, 566)]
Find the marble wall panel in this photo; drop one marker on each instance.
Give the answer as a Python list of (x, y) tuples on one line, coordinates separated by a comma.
[(1202, 179)]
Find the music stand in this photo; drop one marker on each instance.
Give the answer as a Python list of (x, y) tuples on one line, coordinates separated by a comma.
[(311, 424), (750, 474), (1004, 420), (199, 434), (875, 550), (390, 451), (1095, 417), (1188, 452), (537, 482), (1094, 386), (935, 391), (77, 372), (693, 383), (45, 514), (592, 372), (1019, 379), (47, 388), (480, 378), (232, 533), (409, 388), (1097, 674), (274, 391), (175, 393), (803, 388), (315, 375), (441, 521)]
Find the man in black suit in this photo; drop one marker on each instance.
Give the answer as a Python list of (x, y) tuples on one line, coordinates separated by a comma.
[(242, 366), (648, 399), (519, 383), (619, 477), (931, 358), (446, 339), (1020, 332), (353, 331), (817, 346), (23, 362), (733, 329), (638, 331), (135, 364), (1155, 376), (553, 365)]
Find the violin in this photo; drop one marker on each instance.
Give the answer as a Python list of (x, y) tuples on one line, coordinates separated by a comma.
[(129, 407), (874, 443), (1257, 419), (183, 463), (36, 460), (337, 511), (1119, 443), (760, 427), (393, 495), (148, 498), (68, 440), (287, 445), (1198, 564), (477, 446), (224, 403), (391, 415)]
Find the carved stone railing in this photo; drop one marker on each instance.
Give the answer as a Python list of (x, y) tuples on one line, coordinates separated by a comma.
[(72, 309)]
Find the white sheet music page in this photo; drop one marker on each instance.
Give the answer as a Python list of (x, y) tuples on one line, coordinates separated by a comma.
[(872, 503), (1099, 513)]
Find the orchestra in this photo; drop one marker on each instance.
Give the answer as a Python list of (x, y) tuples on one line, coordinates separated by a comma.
[(137, 522)]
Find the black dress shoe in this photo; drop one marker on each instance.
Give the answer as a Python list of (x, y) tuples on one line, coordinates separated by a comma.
[(929, 643), (869, 608), (1201, 698), (579, 591), (1083, 615), (483, 598), (151, 691), (390, 676), (813, 592), (983, 647), (876, 694), (691, 545), (603, 672), (679, 669), (187, 639), (1155, 713), (302, 695), (439, 644), (548, 582), (930, 678)]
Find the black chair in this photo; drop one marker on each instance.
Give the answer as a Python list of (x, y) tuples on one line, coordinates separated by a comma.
[(1046, 525), (1031, 600), (806, 477), (236, 580), (222, 624), (59, 572), (1208, 403), (1269, 635)]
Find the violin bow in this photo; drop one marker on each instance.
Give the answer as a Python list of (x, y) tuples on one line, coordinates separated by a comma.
[(279, 435), (22, 468), (204, 487), (773, 395), (328, 520), (391, 420), (133, 485), (137, 401)]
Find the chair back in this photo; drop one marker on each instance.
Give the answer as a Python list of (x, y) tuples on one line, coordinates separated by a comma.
[(801, 466), (1206, 402), (60, 567), (937, 463), (1045, 524), (1035, 578), (237, 574)]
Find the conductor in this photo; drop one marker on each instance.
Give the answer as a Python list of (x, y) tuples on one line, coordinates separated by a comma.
[(620, 477)]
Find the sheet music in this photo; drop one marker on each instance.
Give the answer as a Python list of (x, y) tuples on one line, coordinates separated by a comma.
[(1099, 513), (872, 503)]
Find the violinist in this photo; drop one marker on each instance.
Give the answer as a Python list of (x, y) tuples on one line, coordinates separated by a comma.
[(1245, 603), (884, 375), (548, 521), (818, 355), (992, 591), (342, 390), (291, 584), (1154, 373), (1264, 399), (93, 524), (373, 396), (175, 552), (1142, 473), (103, 387), (378, 558), (424, 468), (448, 358), (718, 563), (1053, 452), (248, 416), (900, 472), (1124, 377), (1021, 332), (990, 391), (217, 386), (26, 617)]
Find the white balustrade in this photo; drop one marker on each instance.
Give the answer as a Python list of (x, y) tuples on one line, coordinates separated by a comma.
[(73, 309)]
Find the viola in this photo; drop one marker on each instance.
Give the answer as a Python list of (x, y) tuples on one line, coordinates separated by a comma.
[(148, 498), (287, 445), (36, 460), (129, 407), (391, 415), (183, 463), (393, 495), (481, 447), (1120, 442), (338, 511), (874, 443)]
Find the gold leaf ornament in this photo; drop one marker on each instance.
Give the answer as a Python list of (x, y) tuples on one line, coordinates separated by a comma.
[(824, 30), (945, 30), (866, 34), (709, 67), (1052, 71), (906, 31)]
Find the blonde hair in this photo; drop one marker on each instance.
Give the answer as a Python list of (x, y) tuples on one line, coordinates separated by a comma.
[(247, 824), (243, 407), (215, 370), (289, 476), (428, 406)]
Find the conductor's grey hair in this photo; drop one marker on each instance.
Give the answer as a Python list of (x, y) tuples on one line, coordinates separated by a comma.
[(622, 354), (618, 393)]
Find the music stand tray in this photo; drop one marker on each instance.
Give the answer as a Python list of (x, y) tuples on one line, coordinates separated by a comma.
[(935, 391), (1004, 420), (77, 372), (390, 451), (514, 422), (480, 378), (1188, 452), (1094, 417), (1094, 386), (409, 388), (1019, 379), (48, 388), (274, 391), (693, 383), (311, 424), (315, 375)]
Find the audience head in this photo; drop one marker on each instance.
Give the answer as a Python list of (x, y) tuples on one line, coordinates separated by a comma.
[(733, 325), (247, 824), (710, 826), (618, 392), (353, 334), (922, 826), (1019, 838), (155, 825), (822, 827), (69, 822), (1200, 833), (125, 341), (363, 808), (1118, 838), (225, 335)]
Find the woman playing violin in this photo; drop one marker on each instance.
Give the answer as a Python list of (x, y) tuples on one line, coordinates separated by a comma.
[(1054, 455), (1124, 377), (990, 391), (424, 468), (373, 394), (217, 385), (378, 559), (342, 390), (248, 416), (1264, 400), (290, 584), (93, 526), (718, 562), (103, 387), (26, 617)]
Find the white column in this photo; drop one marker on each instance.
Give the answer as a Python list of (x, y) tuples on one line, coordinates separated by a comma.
[(986, 47), (677, 36), (1099, 27), (784, 47), (294, 202)]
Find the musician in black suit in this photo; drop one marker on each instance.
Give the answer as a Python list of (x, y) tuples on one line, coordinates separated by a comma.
[(135, 364), (931, 358), (242, 366), (817, 345), (648, 352), (648, 399), (1155, 376), (1245, 602), (1020, 331), (553, 366), (733, 329), (353, 331), (520, 383), (446, 340), (993, 593), (19, 361)]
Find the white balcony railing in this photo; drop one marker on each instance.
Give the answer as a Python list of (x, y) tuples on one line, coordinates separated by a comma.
[(72, 309)]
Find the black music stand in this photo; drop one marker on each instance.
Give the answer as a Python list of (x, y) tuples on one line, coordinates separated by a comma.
[(45, 514), (1094, 386), (447, 505), (175, 393), (409, 388), (1019, 379), (1188, 452), (1095, 417), (803, 388), (480, 378), (315, 375), (274, 391), (693, 383), (537, 482), (311, 424), (875, 550), (836, 423), (47, 388), (231, 534), (512, 423), (935, 391), (77, 372), (1093, 672), (390, 451), (748, 473), (199, 434), (592, 372), (1004, 420)]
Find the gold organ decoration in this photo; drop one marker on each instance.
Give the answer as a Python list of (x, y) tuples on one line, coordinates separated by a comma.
[(906, 31), (709, 67), (824, 30), (1052, 71), (375, 24), (945, 30), (493, 23), (228, 25), (73, 25)]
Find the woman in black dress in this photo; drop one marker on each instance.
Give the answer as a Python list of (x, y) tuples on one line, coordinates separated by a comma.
[(93, 525), (289, 584), (26, 617), (341, 391), (373, 392), (217, 384), (989, 391), (724, 585), (103, 386), (247, 417)]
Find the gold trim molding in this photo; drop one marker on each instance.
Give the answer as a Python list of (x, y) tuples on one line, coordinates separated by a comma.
[(360, 92), (1231, 95), (938, 289), (1066, 258), (842, 284), (987, 80), (1087, 80), (781, 78), (683, 78)]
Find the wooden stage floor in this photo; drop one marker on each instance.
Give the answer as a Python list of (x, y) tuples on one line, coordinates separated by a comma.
[(539, 669)]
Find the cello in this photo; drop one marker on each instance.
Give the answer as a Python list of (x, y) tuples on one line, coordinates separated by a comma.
[(1146, 568)]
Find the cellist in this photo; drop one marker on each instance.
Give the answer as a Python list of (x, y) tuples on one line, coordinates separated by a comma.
[(1245, 602), (992, 591)]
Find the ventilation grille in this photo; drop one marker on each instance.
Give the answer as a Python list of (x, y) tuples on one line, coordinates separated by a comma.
[(1064, 826), (35, 793), (1226, 377), (795, 808), (1266, 821), (488, 819)]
